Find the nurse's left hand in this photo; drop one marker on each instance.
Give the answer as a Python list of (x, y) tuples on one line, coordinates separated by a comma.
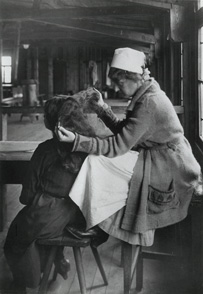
[(64, 135)]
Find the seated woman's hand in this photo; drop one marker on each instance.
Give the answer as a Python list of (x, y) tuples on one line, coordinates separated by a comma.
[(64, 135)]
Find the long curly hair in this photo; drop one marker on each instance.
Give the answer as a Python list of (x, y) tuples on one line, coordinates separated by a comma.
[(51, 110), (72, 117)]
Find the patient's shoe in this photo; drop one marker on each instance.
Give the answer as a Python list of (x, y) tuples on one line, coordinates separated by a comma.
[(100, 238), (62, 267)]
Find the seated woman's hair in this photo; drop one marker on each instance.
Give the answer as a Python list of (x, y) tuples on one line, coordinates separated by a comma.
[(72, 117), (51, 110)]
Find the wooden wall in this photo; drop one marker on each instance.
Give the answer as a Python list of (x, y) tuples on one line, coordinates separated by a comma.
[(61, 68)]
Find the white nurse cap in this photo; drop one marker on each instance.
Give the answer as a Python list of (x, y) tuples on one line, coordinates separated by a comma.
[(129, 59)]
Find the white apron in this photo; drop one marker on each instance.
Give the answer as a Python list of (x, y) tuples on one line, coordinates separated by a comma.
[(101, 190)]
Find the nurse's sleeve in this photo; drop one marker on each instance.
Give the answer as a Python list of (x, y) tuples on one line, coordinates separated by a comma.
[(110, 119), (135, 131)]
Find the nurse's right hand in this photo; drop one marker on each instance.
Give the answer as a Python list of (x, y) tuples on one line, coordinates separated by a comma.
[(64, 135)]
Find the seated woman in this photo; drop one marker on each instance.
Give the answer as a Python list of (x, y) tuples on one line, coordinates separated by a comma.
[(48, 208), (143, 176)]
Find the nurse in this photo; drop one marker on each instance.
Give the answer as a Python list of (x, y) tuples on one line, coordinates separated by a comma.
[(143, 176)]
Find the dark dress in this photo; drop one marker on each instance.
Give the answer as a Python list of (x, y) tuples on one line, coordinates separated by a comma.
[(47, 210)]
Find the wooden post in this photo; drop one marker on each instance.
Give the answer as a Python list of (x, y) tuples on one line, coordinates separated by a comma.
[(3, 204), (3, 134), (36, 69), (3, 117), (1, 54), (17, 49), (29, 64), (50, 75), (67, 71)]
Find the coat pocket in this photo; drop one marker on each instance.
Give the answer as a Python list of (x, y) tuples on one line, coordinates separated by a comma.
[(159, 201)]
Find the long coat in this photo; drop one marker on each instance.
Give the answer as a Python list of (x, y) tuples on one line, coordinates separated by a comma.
[(166, 172), (47, 210)]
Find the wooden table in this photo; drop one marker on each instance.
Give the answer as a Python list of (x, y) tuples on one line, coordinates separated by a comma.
[(14, 161)]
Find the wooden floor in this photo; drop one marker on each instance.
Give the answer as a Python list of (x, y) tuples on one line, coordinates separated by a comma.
[(159, 277)]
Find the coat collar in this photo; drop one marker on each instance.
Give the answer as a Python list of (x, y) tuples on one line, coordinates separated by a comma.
[(139, 93)]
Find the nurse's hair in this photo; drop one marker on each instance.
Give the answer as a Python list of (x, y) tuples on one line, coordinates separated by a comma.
[(116, 74)]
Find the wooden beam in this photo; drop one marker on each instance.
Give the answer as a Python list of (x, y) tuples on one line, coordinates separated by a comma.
[(102, 30), (114, 103), (127, 21), (163, 4), (51, 38), (78, 12)]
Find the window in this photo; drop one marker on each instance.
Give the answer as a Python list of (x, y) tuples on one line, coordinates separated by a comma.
[(6, 69), (200, 79)]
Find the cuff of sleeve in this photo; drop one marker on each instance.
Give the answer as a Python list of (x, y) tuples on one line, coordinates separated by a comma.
[(82, 144), (76, 142)]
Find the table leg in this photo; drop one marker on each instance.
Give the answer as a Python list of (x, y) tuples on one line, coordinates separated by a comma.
[(3, 208)]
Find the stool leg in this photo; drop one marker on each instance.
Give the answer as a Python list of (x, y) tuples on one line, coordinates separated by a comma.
[(127, 262), (80, 269), (47, 270), (55, 274), (99, 263), (139, 272)]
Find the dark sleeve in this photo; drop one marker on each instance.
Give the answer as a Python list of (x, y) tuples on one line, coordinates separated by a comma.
[(31, 183), (110, 119)]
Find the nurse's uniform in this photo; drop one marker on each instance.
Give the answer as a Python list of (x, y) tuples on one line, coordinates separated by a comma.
[(101, 190)]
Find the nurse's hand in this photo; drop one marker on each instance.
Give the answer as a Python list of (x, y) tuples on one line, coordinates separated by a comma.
[(64, 135), (98, 98), (95, 99)]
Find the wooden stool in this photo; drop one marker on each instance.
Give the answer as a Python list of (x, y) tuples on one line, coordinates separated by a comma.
[(132, 263), (76, 244)]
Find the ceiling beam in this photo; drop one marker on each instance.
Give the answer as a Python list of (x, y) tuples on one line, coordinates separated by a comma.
[(69, 36), (102, 30), (163, 4), (69, 13)]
